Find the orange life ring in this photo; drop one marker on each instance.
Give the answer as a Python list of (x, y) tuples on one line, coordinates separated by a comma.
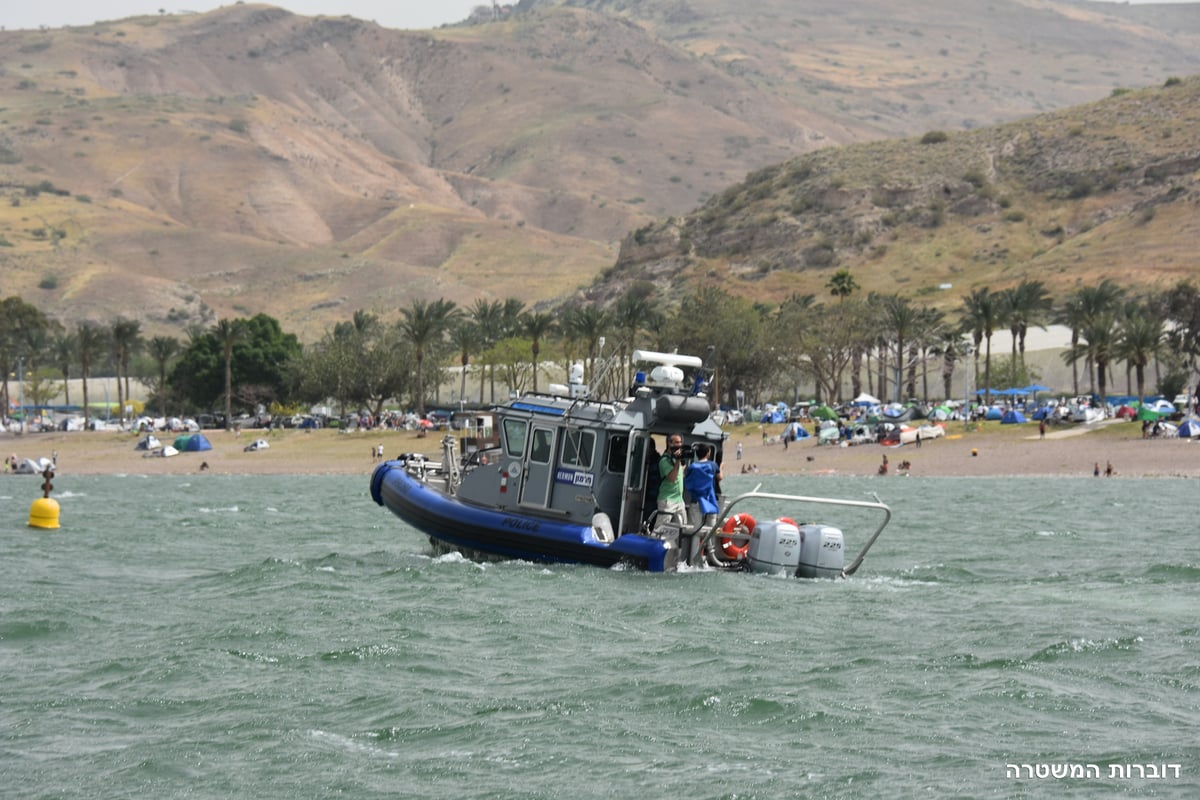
[(734, 550), (789, 521)]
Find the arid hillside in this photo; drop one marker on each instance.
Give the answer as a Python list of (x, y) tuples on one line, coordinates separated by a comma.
[(1105, 190), (180, 168)]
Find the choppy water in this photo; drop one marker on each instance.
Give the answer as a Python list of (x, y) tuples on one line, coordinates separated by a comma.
[(215, 637)]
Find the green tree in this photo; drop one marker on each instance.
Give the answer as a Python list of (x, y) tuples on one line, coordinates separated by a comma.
[(1140, 339), (63, 352), (842, 284), (259, 355), (982, 312), (1181, 308), (228, 333), (585, 326), (899, 322), (727, 331), (162, 349), (424, 325), (634, 313), (467, 339), (537, 325), (1028, 304), (93, 342), (20, 324), (488, 317), (125, 338), (1094, 310), (361, 364)]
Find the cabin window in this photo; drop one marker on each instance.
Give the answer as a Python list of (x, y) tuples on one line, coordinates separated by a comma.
[(618, 449), (514, 437), (539, 452), (577, 448)]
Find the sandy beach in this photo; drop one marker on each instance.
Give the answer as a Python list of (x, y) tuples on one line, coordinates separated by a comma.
[(987, 449)]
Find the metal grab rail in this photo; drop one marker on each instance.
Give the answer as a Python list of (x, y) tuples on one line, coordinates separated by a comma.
[(754, 494)]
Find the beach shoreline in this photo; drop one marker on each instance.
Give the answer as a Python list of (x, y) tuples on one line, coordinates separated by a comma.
[(987, 449)]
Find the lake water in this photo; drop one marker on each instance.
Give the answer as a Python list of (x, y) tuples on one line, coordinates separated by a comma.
[(217, 637)]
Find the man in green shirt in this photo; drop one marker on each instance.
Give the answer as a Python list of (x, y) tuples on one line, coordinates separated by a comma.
[(670, 492)]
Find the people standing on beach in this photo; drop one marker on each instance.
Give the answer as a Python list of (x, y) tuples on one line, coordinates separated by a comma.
[(1108, 470), (1096, 470), (739, 451), (883, 467), (1042, 428)]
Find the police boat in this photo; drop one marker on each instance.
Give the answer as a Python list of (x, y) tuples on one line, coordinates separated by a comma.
[(563, 477)]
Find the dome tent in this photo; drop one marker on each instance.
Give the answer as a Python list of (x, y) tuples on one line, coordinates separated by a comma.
[(193, 443)]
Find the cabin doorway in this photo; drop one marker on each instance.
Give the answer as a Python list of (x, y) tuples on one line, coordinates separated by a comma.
[(539, 467)]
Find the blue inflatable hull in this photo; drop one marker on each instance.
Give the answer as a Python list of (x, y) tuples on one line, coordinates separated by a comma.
[(495, 532)]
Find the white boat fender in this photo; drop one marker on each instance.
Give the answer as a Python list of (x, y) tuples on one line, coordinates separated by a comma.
[(603, 528)]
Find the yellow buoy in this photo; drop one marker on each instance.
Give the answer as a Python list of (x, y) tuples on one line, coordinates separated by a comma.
[(44, 513)]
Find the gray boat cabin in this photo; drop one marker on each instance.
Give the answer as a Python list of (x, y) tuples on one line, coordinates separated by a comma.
[(564, 456)]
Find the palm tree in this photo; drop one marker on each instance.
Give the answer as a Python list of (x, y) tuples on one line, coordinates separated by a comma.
[(1140, 339), (1089, 307), (486, 314), (1030, 305), (424, 325), (899, 320), (163, 349), (1071, 315), (1100, 346), (511, 315), (842, 284), (634, 313), (63, 350), (537, 325), (229, 333), (981, 312), (952, 346), (125, 338), (467, 338), (927, 337), (586, 325), (93, 341)]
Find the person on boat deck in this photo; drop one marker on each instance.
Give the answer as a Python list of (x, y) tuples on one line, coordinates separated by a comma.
[(653, 480), (700, 479), (670, 491)]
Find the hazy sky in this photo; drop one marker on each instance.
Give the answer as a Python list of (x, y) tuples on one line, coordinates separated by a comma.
[(389, 13)]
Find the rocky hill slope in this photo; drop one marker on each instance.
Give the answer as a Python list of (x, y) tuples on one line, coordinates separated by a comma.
[(1105, 190)]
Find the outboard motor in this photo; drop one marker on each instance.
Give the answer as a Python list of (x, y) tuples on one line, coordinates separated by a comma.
[(806, 551), (821, 552)]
